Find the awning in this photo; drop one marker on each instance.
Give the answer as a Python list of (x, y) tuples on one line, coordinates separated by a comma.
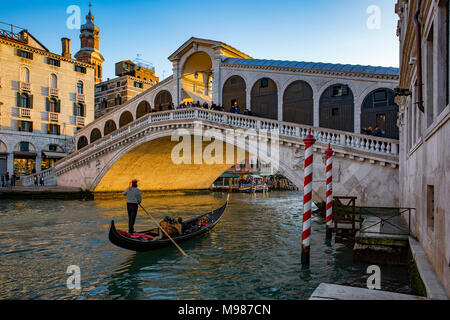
[(53, 155), (229, 175), (25, 155)]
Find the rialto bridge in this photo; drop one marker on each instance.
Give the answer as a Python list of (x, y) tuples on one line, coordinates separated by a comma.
[(287, 99)]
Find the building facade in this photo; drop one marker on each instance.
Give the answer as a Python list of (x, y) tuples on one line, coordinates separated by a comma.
[(423, 30), (44, 98), (132, 79)]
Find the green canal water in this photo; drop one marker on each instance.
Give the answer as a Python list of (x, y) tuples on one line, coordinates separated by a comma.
[(253, 253)]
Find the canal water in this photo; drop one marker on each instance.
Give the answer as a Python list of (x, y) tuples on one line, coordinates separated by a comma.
[(253, 253)]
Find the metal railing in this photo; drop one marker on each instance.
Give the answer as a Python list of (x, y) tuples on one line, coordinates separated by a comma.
[(390, 220)]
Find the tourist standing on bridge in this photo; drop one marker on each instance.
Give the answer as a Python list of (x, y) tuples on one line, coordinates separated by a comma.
[(134, 198)]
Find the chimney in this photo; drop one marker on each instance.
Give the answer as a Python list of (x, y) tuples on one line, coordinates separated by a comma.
[(66, 48)]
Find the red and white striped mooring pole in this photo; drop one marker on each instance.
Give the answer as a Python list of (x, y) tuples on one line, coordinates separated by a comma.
[(329, 205), (307, 197)]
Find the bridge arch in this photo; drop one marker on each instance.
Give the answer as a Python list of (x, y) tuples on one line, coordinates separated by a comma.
[(298, 103), (95, 135), (125, 118), (264, 98), (379, 109), (234, 90), (162, 100), (126, 162), (82, 142), (142, 109), (337, 108), (110, 126)]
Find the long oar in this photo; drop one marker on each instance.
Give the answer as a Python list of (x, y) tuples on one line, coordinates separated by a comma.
[(162, 229)]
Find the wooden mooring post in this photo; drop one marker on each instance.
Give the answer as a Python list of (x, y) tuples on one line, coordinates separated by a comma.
[(345, 224)]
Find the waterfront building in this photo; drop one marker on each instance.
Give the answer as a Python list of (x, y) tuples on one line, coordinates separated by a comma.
[(132, 79), (424, 126), (44, 98)]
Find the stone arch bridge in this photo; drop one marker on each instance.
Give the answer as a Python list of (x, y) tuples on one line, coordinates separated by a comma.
[(364, 166)]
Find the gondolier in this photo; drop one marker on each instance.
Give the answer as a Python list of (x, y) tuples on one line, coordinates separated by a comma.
[(134, 198)]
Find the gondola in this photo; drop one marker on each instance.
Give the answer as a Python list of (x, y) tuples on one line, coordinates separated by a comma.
[(119, 238)]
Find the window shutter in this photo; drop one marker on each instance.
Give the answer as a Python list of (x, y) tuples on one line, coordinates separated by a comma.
[(84, 111), (30, 101), (74, 109), (31, 126), (20, 125), (19, 100), (58, 106), (47, 104)]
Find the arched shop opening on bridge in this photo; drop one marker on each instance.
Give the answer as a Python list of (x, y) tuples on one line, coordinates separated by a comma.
[(337, 108), (142, 109), (163, 100), (264, 99), (95, 135), (196, 78), (298, 103), (380, 110), (125, 119), (234, 91), (110, 126)]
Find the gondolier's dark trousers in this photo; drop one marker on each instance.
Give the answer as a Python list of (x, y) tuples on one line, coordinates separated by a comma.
[(132, 213)]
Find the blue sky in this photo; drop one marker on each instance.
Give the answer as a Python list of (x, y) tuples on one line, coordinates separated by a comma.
[(332, 31)]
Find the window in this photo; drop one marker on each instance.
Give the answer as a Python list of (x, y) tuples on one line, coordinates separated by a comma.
[(104, 104), (118, 85), (80, 87), (104, 87), (264, 83), (117, 100), (80, 69), (335, 112), (340, 90), (25, 126), (99, 71), (430, 207), (53, 129), (24, 100), (53, 81), (25, 75), (79, 110), (53, 105), (53, 62), (380, 96), (24, 146), (126, 66), (138, 85), (25, 54)]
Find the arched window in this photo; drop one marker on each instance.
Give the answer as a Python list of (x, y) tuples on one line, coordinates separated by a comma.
[(25, 75), (80, 88), (53, 81), (104, 104)]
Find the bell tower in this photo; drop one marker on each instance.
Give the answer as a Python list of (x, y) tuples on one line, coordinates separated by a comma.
[(90, 43)]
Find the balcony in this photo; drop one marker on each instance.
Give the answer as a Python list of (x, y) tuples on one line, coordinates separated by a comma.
[(80, 121), (25, 86), (53, 92), (53, 117), (80, 98), (25, 113)]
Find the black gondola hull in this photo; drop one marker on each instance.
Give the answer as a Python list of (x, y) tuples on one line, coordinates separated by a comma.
[(142, 246)]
